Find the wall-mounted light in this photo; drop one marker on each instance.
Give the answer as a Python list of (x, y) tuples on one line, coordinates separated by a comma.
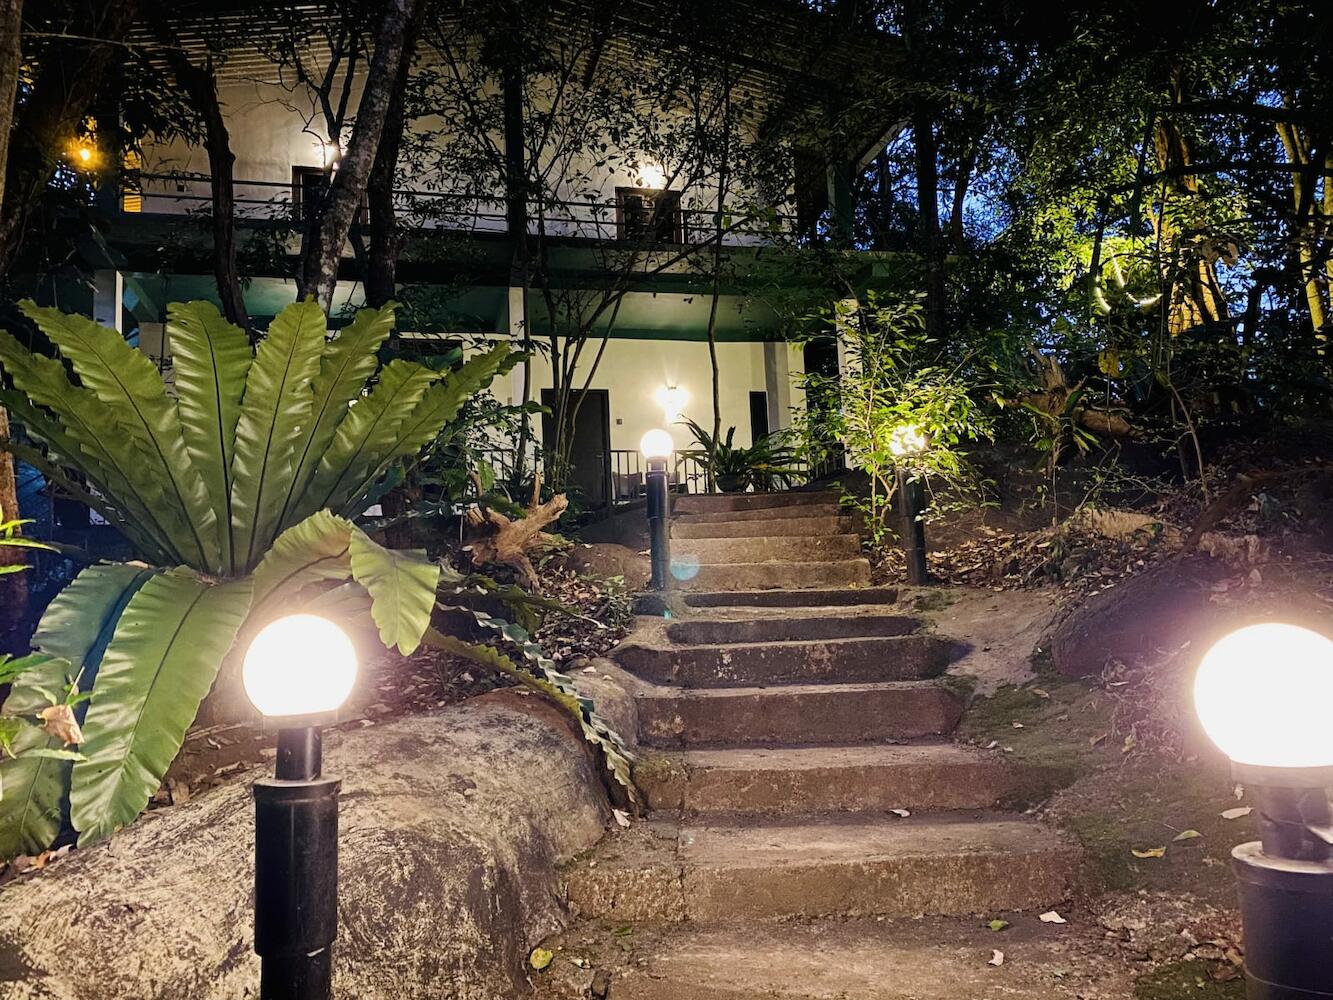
[(650, 175), (673, 400)]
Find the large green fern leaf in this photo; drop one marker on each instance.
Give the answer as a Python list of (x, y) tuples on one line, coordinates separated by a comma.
[(212, 358), (32, 788), (276, 405), (126, 380), (165, 653), (401, 584)]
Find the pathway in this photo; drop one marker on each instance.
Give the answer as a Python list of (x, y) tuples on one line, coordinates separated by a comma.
[(799, 768)]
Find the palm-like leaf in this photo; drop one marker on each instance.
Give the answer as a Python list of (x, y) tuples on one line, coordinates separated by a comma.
[(212, 358), (401, 584), (126, 381), (349, 359), (106, 456), (276, 406), (32, 787), (365, 434), (439, 404), (161, 662)]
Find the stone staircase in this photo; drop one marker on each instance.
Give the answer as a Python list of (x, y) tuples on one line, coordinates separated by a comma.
[(797, 763)]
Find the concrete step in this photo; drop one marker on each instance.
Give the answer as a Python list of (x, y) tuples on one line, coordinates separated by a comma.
[(814, 597), (768, 527), (830, 661), (808, 780), (795, 512), (727, 502), (946, 864), (930, 958), (765, 548), (826, 626), (689, 576), (797, 714)]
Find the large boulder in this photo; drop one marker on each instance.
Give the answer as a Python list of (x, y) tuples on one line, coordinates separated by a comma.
[(1161, 609), (452, 826)]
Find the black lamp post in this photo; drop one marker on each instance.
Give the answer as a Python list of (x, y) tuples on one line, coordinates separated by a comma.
[(906, 443), (1264, 694), (657, 447), (298, 671)]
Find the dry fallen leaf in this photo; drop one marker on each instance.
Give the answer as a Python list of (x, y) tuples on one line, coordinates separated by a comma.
[(1094, 740), (1236, 813), (1148, 852), (1187, 835), (1051, 917), (59, 722), (622, 818), (540, 958), (996, 957), (998, 924), (1040, 693), (901, 813)]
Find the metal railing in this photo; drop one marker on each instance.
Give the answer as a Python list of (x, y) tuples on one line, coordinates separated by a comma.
[(276, 203)]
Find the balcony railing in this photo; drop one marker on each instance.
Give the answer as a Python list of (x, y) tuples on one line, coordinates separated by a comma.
[(276, 203)]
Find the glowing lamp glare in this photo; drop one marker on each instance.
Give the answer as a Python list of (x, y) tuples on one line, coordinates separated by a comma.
[(1264, 693), (657, 443), (907, 440), (299, 665)]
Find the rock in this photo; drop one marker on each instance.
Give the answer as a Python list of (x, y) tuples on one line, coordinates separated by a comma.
[(605, 559), (1162, 608), (443, 894)]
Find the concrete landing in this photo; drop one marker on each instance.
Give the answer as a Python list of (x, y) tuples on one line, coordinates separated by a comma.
[(690, 574)]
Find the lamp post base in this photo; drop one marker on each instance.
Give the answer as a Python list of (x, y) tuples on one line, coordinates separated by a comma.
[(1287, 914)]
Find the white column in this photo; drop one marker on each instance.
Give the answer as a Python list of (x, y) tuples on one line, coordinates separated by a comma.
[(108, 294), (777, 383)]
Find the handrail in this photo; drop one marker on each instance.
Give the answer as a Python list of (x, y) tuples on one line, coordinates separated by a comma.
[(425, 209)]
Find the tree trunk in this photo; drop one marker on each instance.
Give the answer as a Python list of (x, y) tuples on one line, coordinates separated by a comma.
[(928, 217), (317, 273), (13, 586), (386, 240), (56, 105), (201, 84)]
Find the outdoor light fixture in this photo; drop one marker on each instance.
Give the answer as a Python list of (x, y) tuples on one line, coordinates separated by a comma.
[(298, 671), (651, 176), (83, 154), (657, 447), (673, 400), (1264, 695), (906, 443)]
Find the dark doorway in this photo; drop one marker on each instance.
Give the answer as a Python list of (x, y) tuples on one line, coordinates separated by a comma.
[(590, 455), (758, 415), (821, 358)]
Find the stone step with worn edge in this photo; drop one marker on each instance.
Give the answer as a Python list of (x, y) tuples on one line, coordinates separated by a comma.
[(807, 780), (765, 548), (942, 864), (814, 597), (769, 575), (930, 958), (705, 503), (706, 631), (771, 527), (832, 661), (798, 714), (796, 511)]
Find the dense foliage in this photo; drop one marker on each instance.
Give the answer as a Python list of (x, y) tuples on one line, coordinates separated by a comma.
[(237, 489)]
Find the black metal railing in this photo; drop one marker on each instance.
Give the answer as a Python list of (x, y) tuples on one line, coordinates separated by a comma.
[(278, 203)]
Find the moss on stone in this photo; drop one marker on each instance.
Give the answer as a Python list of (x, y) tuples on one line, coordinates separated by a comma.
[(1181, 980)]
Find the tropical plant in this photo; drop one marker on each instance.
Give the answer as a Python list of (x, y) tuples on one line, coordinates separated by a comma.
[(237, 488), (767, 464), (896, 378), (10, 538)]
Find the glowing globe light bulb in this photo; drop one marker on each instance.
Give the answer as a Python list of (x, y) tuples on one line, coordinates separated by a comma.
[(907, 440), (1264, 695), (657, 443), (299, 665)]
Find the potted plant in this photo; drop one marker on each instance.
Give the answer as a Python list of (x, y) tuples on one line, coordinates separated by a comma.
[(765, 465)]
